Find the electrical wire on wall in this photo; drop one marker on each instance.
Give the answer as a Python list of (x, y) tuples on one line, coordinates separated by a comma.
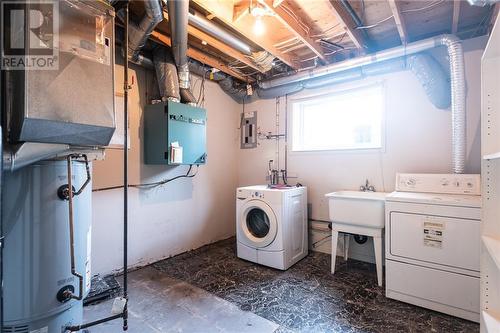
[(151, 185)]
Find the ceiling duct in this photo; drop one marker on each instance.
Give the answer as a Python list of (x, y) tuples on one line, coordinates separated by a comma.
[(199, 21), (178, 18), (139, 33), (457, 78), (262, 58)]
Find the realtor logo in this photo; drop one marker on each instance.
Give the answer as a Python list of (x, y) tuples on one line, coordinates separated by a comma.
[(30, 36)]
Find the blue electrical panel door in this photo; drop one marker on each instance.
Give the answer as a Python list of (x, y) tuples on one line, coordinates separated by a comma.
[(174, 134)]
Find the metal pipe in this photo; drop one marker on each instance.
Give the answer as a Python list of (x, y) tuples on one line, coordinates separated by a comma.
[(355, 18), (457, 78), (1, 234), (72, 233), (125, 171), (199, 21), (178, 19)]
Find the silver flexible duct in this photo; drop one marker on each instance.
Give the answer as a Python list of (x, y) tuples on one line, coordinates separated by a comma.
[(457, 78), (178, 18)]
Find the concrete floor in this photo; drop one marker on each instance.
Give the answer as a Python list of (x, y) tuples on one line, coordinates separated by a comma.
[(211, 290), (159, 303)]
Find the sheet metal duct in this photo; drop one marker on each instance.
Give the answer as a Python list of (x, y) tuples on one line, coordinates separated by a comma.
[(178, 18), (73, 104), (199, 21), (457, 78)]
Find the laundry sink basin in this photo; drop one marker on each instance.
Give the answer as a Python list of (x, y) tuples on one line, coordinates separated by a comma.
[(366, 209)]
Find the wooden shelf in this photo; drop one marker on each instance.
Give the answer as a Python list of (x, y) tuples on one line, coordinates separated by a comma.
[(492, 156), (492, 245), (491, 322)]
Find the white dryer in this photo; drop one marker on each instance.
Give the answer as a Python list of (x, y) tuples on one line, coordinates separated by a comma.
[(433, 242), (271, 225)]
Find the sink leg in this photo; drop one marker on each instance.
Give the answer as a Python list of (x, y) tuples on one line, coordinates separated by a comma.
[(335, 238), (346, 246), (377, 244)]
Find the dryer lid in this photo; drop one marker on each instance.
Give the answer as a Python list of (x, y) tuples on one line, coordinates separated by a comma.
[(473, 201)]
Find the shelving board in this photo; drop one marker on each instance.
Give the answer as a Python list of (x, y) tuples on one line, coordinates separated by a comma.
[(493, 246), (491, 322)]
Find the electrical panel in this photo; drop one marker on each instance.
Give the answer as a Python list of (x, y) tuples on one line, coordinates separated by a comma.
[(174, 134), (248, 130)]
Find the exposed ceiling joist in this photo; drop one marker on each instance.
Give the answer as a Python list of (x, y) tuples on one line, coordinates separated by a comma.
[(224, 11), (200, 56), (220, 46), (241, 9), (456, 16), (349, 25), (398, 18), (294, 27)]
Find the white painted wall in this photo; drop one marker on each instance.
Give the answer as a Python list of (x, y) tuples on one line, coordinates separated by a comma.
[(418, 140), (178, 216)]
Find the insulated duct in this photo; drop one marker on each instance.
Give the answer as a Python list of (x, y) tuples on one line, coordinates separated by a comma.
[(457, 78), (178, 18), (166, 75), (139, 34)]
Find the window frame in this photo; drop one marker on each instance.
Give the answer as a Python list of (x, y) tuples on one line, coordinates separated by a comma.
[(328, 93)]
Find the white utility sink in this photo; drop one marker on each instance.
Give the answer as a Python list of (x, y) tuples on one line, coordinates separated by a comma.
[(357, 208), (357, 213)]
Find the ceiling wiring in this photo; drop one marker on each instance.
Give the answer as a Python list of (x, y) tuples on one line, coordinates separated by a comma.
[(429, 6), (375, 24), (279, 44), (296, 18)]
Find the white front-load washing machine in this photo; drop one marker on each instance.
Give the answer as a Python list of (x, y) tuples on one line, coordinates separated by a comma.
[(271, 225)]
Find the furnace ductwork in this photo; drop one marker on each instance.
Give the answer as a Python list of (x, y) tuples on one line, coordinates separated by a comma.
[(457, 78), (139, 34), (178, 12), (166, 75)]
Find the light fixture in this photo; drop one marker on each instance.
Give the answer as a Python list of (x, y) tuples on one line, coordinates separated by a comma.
[(258, 27)]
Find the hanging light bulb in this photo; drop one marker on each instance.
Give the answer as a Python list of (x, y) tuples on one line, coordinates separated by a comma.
[(259, 28)]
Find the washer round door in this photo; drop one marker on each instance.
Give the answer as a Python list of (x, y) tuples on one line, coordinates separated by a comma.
[(258, 224)]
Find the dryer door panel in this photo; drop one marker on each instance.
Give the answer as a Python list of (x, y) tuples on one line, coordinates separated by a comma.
[(440, 240)]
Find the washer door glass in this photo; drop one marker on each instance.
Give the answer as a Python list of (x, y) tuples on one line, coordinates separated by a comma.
[(258, 226), (258, 223)]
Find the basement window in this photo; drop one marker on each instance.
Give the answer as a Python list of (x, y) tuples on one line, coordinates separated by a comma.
[(351, 119)]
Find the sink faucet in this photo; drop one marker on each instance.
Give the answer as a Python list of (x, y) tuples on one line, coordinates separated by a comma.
[(367, 187)]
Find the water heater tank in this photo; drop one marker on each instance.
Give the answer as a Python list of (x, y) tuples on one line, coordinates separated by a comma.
[(37, 248)]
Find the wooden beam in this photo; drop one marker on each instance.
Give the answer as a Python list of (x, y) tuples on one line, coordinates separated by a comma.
[(456, 16), (241, 9), (220, 46), (398, 18), (349, 25), (294, 27), (224, 11), (201, 57)]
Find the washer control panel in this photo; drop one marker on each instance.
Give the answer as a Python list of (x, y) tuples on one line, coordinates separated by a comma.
[(257, 194), (439, 183)]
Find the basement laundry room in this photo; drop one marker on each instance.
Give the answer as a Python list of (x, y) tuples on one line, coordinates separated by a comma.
[(250, 166)]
